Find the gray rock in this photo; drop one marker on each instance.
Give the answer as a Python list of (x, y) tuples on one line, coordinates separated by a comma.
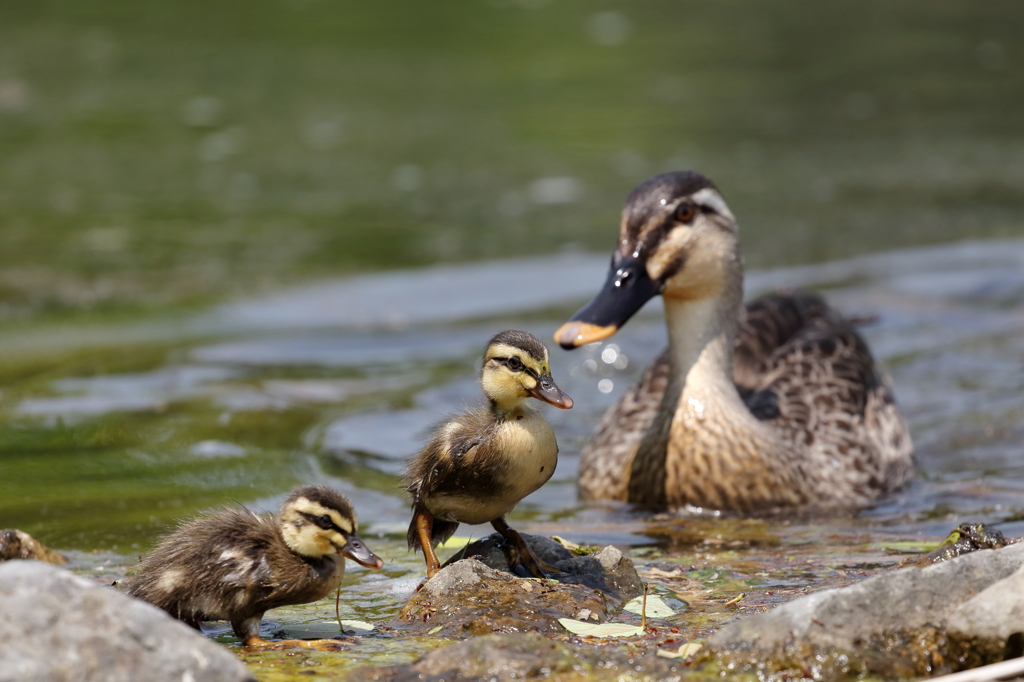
[(608, 571), (58, 627), (978, 594), (527, 656), (996, 613), (470, 597)]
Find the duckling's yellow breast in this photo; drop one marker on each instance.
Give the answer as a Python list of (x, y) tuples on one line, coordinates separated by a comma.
[(523, 454), (529, 443)]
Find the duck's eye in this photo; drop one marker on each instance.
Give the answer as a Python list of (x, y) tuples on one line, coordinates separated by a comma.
[(515, 364), (324, 521), (685, 212)]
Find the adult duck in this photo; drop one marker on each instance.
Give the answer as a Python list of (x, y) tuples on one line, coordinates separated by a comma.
[(774, 405)]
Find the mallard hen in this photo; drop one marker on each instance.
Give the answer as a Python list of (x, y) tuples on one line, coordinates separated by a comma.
[(778, 404)]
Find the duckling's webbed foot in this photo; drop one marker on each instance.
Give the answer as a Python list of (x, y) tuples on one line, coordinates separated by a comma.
[(519, 554)]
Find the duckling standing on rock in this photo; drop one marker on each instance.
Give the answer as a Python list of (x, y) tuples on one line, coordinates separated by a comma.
[(480, 464), (775, 405), (236, 565)]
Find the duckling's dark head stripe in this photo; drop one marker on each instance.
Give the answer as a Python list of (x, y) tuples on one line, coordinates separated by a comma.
[(325, 497), (645, 203), (524, 341)]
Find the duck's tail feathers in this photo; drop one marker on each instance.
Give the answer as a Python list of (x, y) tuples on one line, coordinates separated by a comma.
[(440, 533)]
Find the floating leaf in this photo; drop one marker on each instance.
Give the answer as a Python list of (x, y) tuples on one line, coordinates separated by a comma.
[(736, 599), (656, 607), (455, 542), (568, 544), (356, 626), (435, 630), (688, 649), (578, 627)]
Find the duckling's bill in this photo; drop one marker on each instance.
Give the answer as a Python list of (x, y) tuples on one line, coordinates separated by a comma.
[(547, 391), (626, 290), (358, 552)]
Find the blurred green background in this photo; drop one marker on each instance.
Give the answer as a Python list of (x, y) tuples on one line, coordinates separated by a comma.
[(157, 155), (159, 158)]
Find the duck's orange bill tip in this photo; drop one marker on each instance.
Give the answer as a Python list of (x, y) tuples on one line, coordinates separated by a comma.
[(566, 403), (575, 334)]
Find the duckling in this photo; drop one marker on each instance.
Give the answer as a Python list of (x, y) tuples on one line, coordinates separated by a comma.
[(776, 405), (235, 565), (477, 466)]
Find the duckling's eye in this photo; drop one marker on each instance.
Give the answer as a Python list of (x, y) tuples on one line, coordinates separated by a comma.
[(515, 364), (685, 212), (324, 521)]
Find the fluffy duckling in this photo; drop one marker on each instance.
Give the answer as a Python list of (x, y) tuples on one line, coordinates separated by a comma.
[(479, 465), (235, 565), (777, 404)]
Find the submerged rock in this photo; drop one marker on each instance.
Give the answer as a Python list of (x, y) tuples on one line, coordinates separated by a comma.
[(471, 597), (525, 656), (56, 626), (914, 621), (17, 544)]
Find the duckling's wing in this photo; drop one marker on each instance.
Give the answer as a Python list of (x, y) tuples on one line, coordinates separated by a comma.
[(454, 461), (606, 460), (242, 562)]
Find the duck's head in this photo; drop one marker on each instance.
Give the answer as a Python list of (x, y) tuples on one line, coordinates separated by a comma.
[(677, 238), (317, 521), (515, 368)]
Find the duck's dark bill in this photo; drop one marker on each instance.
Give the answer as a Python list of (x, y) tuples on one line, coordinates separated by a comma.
[(355, 550), (625, 291), (547, 391)]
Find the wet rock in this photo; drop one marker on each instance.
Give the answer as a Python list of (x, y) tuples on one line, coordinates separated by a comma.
[(608, 570), (990, 625), (17, 544), (524, 656), (56, 626), (967, 538), (470, 597), (896, 621)]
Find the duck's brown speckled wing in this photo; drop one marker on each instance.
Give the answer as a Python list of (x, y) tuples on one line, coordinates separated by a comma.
[(606, 460), (830, 400)]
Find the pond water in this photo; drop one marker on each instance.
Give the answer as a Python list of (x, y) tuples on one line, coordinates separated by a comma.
[(249, 245), (341, 380)]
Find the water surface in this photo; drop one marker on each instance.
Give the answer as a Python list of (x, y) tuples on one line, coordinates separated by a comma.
[(241, 403)]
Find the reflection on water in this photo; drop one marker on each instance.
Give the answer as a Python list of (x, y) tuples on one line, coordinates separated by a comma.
[(261, 408)]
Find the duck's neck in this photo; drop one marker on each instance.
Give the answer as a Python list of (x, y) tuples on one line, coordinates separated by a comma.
[(509, 409), (701, 335), (701, 338)]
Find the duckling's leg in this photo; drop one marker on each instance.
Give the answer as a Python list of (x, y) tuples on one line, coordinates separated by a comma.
[(425, 529), (521, 554)]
